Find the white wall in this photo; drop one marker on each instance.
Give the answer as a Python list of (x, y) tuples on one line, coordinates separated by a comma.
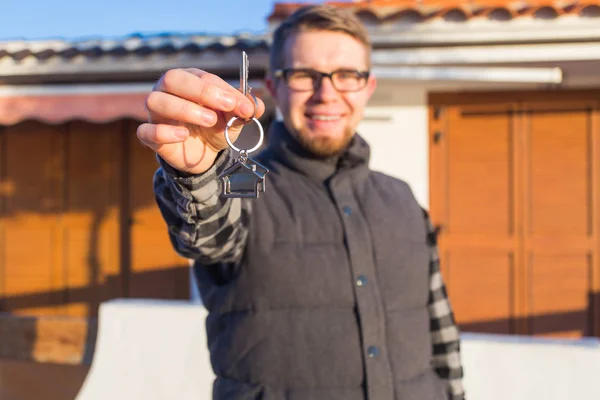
[(150, 350), (499, 367), (157, 350), (398, 135)]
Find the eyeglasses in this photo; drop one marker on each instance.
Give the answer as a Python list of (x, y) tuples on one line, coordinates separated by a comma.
[(305, 79)]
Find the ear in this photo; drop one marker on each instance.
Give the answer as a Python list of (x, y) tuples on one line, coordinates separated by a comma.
[(371, 85)]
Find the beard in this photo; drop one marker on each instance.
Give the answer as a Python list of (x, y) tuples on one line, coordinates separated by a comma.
[(325, 146)]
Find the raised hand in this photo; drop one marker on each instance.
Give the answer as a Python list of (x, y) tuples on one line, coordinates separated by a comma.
[(187, 113)]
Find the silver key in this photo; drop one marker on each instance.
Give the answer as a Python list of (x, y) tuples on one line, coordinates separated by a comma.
[(245, 178), (244, 74)]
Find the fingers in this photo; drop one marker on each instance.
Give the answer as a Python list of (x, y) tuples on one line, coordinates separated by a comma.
[(258, 106), (167, 106), (212, 78), (203, 89), (156, 135)]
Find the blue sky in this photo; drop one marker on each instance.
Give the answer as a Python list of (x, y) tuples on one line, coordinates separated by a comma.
[(74, 19)]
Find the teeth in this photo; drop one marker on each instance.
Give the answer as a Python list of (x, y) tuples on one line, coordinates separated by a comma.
[(325, 117)]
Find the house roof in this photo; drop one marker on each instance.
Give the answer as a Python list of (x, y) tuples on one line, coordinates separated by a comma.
[(394, 23), (404, 32), (108, 78), (136, 57), (454, 10), (136, 44)]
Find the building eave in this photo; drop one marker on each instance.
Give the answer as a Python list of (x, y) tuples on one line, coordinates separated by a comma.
[(497, 54), (98, 103), (134, 58), (485, 32), (129, 68)]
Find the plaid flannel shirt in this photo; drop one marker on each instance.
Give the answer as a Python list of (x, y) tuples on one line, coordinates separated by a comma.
[(444, 332), (206, 227)]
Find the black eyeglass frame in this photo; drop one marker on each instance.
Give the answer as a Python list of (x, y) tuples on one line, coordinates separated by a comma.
[(285, 72)]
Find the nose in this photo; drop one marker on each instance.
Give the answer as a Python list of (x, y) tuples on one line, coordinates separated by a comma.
[(326, 91)]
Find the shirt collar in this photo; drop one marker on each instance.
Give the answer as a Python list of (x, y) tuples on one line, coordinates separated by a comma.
[(285, 148)]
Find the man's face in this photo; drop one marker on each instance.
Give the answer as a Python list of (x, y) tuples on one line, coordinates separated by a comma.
[(323, 119)]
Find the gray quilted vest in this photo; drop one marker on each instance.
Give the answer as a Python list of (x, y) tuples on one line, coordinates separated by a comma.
[(330, 299)]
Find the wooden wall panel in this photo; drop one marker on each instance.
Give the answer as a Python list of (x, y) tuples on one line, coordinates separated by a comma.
[(480, 289), (78, 220), (475, 176), (6, 189), (535, 158), (32, 238), (91, 216), (156, 270), (479, 156), (48, 339), (559, 210), (559, 295), (61, 220), (559, 173), (594, 295)]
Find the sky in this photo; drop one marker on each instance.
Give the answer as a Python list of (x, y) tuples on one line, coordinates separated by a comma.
[(83, 19)]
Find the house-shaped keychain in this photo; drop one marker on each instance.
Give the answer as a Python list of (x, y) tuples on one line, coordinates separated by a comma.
[(244, 179)]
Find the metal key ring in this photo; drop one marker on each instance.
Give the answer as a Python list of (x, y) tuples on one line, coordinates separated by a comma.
[(260, 140)]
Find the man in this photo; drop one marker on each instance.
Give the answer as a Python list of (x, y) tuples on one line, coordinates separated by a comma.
[(328, 285)]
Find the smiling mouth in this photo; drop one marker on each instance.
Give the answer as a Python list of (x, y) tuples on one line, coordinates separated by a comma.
[(324, 117)]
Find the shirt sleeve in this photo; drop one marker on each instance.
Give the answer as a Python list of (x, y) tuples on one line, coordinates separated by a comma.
[(202, 225), (445, 334)]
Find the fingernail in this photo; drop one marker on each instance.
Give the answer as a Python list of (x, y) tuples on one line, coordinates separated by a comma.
[(227, 100), (180, 133), (247, 110)]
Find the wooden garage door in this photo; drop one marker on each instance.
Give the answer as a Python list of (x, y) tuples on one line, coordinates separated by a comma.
[(78, 220), (515, 192), (155, 270)]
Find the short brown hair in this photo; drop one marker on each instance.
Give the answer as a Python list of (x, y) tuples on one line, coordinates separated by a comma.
[(317, 18)]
